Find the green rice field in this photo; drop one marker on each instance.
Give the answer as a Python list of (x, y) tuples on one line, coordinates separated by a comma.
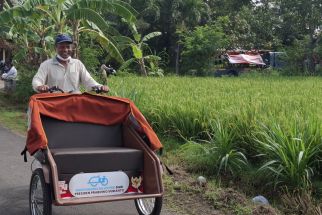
[(186, 106), (270, 123)]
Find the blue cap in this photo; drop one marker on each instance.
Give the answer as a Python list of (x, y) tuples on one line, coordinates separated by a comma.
[(63, 38)]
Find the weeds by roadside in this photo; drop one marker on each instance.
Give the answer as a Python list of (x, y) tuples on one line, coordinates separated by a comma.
[(13, 116)]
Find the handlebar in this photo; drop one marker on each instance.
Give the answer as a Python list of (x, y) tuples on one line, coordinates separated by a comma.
[(97, 89), (55, 89), (109, 70)]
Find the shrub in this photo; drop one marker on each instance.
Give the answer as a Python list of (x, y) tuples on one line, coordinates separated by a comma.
[(24, 87), (89, 56), (199, 47)]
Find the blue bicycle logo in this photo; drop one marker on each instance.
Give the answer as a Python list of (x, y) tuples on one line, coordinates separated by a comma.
[(95, 180)]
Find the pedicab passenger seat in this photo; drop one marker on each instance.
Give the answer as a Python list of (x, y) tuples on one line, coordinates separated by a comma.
[(84, 147)]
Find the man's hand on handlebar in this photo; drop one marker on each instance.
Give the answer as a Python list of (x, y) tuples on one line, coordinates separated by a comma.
[(43, 88), (46, 89), (100, 89), (105, 89)]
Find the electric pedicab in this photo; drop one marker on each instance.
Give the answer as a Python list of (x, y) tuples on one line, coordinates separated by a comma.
[(91, 148)]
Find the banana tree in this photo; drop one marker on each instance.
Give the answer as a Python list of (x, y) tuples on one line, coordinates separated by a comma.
[(28, 30), (72, 14), (138, 45), (75, 16)]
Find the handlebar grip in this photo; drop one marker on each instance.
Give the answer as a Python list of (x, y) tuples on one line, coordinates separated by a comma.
[(54, 89), (97, 89)]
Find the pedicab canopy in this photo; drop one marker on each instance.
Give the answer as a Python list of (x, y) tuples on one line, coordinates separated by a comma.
[(87, 108)]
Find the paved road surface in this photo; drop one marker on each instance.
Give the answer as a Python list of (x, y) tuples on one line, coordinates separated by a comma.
[(14, 185)]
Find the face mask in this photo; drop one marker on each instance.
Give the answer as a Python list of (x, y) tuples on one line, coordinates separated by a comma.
[(63, 59)]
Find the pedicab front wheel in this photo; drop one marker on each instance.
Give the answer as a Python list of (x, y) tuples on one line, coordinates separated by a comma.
[(40, 202), (149, 206)]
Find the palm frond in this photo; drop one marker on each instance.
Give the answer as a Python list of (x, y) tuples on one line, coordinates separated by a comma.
[(28, 4), (127, 63), (109, 27), (116, 7), (150, 36), (87, 14), (152, 57), (126, 41), (106, 43)]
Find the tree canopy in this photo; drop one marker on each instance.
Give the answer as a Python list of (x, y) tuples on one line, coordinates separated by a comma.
[(275, 25)]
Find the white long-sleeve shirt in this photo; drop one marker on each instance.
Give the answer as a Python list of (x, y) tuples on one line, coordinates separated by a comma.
[(10, 75), (69, 78)]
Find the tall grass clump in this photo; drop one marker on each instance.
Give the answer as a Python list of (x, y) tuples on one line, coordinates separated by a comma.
[(291, 157), (229, 157), (218, 155), (197, 157)]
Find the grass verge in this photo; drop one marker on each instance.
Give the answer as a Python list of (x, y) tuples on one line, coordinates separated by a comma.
[(12, 116), (185, 195)]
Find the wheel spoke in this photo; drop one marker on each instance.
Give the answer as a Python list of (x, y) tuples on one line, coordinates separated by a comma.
[(146, 205), (39, 211), (151, 203), (37, 200)]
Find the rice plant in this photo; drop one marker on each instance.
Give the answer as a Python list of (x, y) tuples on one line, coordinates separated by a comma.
[(125, 92)]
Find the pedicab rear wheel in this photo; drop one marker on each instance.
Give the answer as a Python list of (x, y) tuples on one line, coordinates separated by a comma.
[(40, 201), (149, 206)]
